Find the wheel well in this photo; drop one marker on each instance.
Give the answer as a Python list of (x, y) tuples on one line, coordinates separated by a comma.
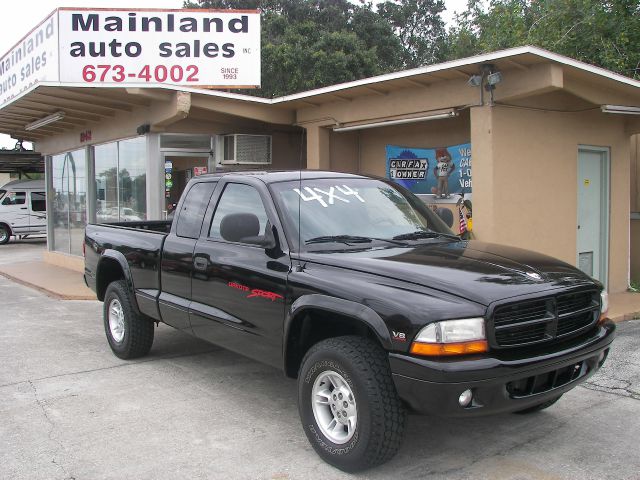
[(312, 326), (109, 271), (7, 227)]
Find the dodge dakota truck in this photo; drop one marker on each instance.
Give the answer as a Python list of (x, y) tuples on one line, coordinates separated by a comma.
[(355, 288)]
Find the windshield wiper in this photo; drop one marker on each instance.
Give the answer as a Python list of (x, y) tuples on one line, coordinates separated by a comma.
[(348, 239), (424, 234)]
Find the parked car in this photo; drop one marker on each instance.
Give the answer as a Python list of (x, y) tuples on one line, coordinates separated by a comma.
[(23, 209), (358, 290)]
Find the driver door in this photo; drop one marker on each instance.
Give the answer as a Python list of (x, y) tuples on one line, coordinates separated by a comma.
[(239, 284)]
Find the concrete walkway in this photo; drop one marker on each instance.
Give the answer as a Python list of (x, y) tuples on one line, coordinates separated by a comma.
[(57, 282), (21, 261)]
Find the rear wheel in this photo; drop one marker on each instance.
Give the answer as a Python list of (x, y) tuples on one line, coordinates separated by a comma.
[(130, 334), (5, 234), (540, 406), (348, 404)]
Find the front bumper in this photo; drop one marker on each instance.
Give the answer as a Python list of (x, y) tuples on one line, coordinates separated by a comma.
[(502, 381)]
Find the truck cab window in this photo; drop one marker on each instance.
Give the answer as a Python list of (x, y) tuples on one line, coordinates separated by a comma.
[(240, 215), (193, 208), (14, 198)]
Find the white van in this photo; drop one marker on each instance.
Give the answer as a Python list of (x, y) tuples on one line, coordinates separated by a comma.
[(23, 209)]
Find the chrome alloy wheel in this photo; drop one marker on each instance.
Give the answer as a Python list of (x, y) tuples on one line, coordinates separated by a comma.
[(334, 407), (4, 234), (116, 320)]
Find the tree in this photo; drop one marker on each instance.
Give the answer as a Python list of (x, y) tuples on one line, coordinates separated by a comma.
[(308, 44), (604, 33), (420, 28)]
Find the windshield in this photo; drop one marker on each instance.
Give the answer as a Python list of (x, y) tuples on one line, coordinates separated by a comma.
[(2, 192), (352, 211)]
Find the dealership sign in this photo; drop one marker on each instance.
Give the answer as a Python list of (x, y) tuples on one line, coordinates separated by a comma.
[(216, 48)]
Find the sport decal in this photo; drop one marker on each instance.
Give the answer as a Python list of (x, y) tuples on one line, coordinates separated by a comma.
[(256, 292)]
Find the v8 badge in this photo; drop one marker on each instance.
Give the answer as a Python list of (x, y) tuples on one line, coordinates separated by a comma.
[(399, 336)]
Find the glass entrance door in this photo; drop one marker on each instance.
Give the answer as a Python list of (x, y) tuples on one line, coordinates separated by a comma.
[(69, 201), (179, 169)]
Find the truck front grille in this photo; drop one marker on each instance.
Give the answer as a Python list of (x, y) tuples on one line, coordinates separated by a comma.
[(544, 319), (545, 382)]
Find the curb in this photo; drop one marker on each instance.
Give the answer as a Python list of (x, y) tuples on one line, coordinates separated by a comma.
[(626, 317), (48, 293)]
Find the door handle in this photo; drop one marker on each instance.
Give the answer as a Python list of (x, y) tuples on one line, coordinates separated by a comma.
[(200, 263), (23, 208)]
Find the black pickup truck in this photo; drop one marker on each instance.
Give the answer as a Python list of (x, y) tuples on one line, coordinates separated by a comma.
[(356, 288)]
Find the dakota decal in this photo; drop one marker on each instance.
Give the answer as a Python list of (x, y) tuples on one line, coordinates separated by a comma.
[(256, 292)]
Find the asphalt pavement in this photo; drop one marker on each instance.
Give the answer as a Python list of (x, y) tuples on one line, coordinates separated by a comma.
[(70, 409)]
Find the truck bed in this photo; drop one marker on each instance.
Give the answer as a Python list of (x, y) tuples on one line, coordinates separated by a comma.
[(134, 245)]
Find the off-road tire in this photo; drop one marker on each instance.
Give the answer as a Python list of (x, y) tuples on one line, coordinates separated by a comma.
[(5, 234), (381, 417), (540, 406), (138, 329)]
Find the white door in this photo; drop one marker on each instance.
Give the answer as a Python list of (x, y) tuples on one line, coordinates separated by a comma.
[(593, 212), (15, 212)]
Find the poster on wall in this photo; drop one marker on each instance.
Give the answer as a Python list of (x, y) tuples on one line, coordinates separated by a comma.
[(444, 173)]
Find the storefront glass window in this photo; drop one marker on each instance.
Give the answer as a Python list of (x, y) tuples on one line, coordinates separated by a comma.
[(69, 201), (106, 164), (132, 181)]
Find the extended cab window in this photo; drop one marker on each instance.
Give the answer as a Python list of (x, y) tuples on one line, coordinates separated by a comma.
[(14, 198), (38, 202), (193, 209), (240, 215)]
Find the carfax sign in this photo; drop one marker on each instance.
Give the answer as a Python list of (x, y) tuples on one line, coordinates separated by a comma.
[(101, 47), (443, 171)]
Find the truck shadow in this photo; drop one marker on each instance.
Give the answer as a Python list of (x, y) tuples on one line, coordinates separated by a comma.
[(433, 447)]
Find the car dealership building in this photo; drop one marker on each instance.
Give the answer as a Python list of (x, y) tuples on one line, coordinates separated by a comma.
[(552, 140)]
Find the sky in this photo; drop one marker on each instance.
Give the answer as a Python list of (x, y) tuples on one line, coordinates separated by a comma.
[(19, 17)]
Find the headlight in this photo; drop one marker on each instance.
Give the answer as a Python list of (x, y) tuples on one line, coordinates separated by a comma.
[(451, 337), (604, 302)]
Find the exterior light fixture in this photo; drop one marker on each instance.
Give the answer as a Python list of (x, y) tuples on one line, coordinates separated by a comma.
[(435, 116), (620, 109), (54, 117), (475, 80), (494, 78)]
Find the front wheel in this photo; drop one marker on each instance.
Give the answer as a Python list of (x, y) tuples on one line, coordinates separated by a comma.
[(348, 404), (5, 234), (130, 334)]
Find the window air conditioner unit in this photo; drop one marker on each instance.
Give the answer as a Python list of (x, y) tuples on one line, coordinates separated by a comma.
[(241, 149)]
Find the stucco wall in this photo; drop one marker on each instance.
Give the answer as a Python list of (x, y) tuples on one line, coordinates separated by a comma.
[(525, 180), (364, 150), (635, 251)]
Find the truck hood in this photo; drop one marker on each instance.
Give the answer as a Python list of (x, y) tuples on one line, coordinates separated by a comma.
[(478, 271)]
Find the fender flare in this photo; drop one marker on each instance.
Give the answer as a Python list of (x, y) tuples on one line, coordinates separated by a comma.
[(111, 254), (357, 311)]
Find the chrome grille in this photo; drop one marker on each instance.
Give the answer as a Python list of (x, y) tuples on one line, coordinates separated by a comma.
[(544, 319)]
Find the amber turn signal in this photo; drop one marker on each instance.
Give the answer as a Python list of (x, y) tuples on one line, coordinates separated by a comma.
[(444, 349)]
